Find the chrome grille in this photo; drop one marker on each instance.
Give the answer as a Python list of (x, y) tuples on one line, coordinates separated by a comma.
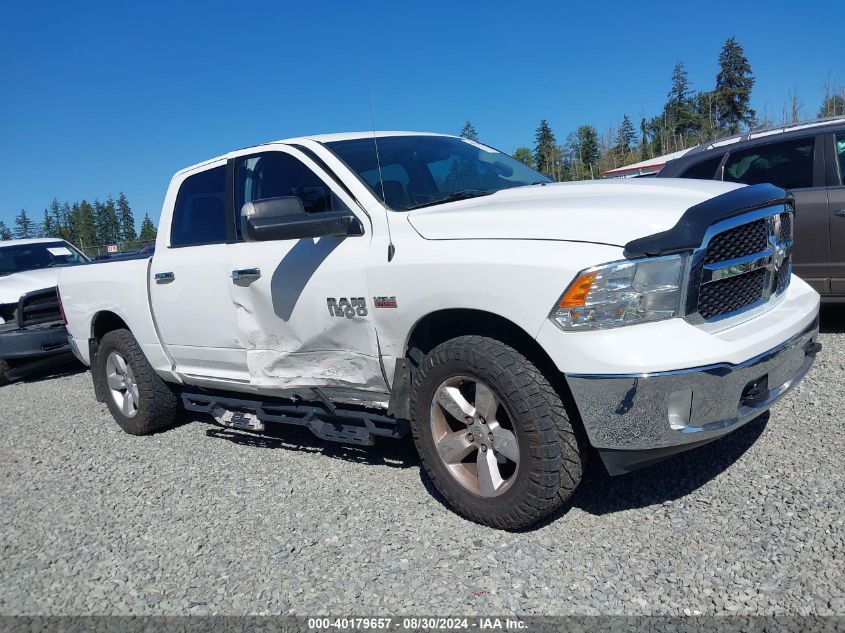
[(747, 238), (730, 295), (743, 265)]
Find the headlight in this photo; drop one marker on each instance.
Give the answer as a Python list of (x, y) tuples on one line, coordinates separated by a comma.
[(622, 293)]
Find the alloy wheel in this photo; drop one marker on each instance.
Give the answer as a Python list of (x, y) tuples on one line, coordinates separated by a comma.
[(473, 436), (122, 384)]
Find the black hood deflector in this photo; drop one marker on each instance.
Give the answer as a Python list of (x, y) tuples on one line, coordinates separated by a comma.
[(688, 233)]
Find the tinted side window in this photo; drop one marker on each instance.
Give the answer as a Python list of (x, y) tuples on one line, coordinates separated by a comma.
[(788, 164), (705, 170), (840, 156), (200, 213), (276, 174)]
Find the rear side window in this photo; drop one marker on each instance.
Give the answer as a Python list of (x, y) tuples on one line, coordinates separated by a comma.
[(705, 170), (840, 156), (788, 164), (200, 213)]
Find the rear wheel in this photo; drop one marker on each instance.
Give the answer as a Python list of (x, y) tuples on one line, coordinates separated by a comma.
[(492, 433), (4, 367), (139, 400)]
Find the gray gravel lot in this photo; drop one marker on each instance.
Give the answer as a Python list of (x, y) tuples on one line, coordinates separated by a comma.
[(205, 520)]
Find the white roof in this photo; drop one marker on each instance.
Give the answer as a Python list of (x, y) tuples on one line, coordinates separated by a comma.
[(348, 136), (321, 138), (652, 164), (32, 240)]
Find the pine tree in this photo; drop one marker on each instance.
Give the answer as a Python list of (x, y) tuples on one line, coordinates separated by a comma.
[(5, 233), (108, 227), (588, 150), (86, 225), (469, 131), (24, 226), (126, 219), (148, 229), (524, 156), (833, 105), (733, 89), (56, 220), (679, 114), (546, 151), (645, 145), (680, 90), (48, 229), (74, 221), (625, 138)]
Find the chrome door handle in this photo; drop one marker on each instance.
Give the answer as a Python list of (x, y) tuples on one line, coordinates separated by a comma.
[(839, 213), (241, 274), (164, 278)]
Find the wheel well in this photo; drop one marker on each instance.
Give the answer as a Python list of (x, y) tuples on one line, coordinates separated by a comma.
[(105, 322), (439, 327)]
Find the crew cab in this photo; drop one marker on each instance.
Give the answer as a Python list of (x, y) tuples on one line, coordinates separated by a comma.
[(32, 335), (367, 284)]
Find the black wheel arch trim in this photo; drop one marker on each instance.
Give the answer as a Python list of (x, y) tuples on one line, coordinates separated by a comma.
[(688, 232)]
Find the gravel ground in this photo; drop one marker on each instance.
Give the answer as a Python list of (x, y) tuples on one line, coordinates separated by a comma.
[(205, 520)]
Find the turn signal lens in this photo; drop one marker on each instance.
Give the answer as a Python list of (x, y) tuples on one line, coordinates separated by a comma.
[(576, 295)]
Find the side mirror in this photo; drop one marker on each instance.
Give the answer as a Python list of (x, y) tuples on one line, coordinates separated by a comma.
[(284, 218)]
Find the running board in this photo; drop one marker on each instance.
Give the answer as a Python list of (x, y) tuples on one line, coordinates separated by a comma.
[(337, 425)]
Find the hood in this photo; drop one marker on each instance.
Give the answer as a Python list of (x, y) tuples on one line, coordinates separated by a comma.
[(605, 212), (14, 285)]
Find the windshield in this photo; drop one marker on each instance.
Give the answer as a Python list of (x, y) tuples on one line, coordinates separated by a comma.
[(20, 257), (426, 170)]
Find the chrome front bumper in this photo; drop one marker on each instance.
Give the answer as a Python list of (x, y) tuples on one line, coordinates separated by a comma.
[(635, 419)]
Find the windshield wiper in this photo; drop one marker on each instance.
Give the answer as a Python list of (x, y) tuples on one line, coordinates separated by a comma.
[(457, 195)]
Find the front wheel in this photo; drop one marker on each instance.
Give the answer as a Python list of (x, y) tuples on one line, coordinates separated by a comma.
[(492, 433), (139, 400)]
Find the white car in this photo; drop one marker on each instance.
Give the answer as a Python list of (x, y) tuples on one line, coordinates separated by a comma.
[(32, 335), (360, 284)]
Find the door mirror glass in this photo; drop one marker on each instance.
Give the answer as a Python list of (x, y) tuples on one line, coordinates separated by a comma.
[(285, 218)]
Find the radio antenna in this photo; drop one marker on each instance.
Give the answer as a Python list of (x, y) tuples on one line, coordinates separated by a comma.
[(391, 249)]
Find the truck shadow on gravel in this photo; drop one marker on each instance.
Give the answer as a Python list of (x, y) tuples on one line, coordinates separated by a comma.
[(832, 319), (598, 494), (393, 453), (678, 476), (71, 368)]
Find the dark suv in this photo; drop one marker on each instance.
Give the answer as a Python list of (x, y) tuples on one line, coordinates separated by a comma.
[(808, 159)]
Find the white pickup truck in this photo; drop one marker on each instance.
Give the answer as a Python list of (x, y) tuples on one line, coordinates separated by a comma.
[(32, 335), (362, 284)]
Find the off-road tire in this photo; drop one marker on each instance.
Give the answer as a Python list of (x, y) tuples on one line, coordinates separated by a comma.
[(4, 367), (157, 404), (551, 461)]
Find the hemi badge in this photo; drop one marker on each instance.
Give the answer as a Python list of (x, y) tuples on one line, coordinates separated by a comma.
[(384, 302)]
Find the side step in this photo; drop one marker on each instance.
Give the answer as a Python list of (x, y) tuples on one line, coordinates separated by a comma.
[(337, 425)]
